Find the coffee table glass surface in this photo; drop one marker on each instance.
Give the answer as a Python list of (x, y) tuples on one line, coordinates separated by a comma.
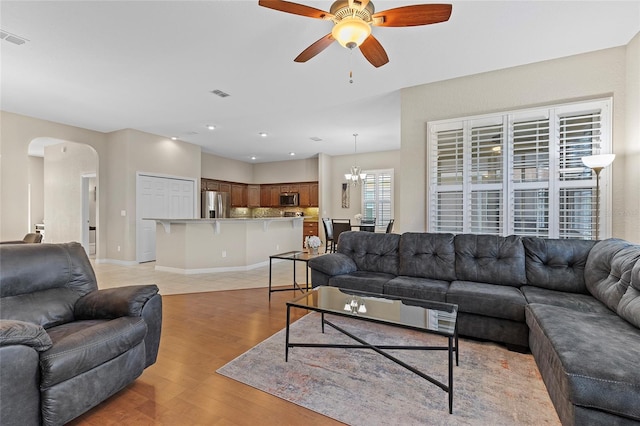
[(435, 317)]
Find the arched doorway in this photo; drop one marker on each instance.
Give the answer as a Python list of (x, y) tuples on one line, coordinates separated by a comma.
[(67, 192)]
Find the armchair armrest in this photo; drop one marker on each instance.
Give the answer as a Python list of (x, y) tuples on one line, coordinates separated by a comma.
[(13, 332), (333, 264), (114, 302)]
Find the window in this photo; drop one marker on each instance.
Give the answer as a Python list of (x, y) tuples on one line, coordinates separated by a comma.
[(377, 196), (518, 172)]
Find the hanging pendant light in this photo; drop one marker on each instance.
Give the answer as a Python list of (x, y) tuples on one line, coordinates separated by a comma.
[(355, 176)]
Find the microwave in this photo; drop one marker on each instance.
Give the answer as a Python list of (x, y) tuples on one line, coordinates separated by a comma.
[(289, 199)]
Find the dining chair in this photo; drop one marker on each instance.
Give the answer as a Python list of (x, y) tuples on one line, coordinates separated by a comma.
[(339, 226), (330, 245), (390, 226), (368, 225)]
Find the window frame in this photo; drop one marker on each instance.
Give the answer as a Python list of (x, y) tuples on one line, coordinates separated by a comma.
[(380, 225), (447, 138)]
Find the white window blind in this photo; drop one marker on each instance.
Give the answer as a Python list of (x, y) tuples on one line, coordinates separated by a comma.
[(518, 172), (377, 196)]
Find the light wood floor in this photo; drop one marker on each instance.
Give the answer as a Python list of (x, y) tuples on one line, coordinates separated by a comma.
[(201, 332)]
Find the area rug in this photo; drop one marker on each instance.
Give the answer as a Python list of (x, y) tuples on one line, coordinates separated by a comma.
[(492, 385)]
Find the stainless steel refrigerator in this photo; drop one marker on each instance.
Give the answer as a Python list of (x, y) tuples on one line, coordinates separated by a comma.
[(215, 204)]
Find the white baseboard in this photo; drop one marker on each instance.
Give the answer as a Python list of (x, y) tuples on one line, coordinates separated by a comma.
[(117, 262), (211, 270)]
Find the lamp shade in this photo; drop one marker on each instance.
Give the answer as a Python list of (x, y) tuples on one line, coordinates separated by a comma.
[(598, 161), (351, 32)]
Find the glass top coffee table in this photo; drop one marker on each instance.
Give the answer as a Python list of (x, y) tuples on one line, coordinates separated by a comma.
[(429, 317)]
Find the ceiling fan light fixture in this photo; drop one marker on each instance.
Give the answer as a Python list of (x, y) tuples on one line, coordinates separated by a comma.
[(351, 32)]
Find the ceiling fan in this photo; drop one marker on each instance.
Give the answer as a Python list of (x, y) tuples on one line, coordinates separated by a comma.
[(352, 24)]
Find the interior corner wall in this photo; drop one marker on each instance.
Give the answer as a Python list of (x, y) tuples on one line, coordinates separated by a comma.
[(630, 214), (36, 193), (587, 76), (129, 152)]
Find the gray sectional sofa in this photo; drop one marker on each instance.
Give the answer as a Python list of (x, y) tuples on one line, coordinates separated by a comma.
[(65, 345), (574, 304)]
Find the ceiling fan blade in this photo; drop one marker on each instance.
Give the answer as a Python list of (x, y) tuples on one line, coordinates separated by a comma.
[(374, 52), (409, 16), (295, 8), (315, 48)]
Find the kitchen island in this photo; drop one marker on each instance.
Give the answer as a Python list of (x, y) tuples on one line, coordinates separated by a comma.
[(195, 246)]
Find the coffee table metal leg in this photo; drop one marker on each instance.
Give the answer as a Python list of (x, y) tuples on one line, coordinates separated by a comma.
[(270, 263), (286, 343), (451, 373)]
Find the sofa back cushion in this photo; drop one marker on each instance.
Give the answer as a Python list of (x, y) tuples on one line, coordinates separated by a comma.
[(427, 255), (629, 306), (371, 251), (609, 267), (490, 259), (40, 283), (557, 264)]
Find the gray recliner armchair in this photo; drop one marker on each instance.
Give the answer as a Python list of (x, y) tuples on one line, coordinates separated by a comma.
[(66, 346)]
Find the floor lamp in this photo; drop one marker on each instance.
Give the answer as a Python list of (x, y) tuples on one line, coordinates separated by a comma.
[(597, 163)]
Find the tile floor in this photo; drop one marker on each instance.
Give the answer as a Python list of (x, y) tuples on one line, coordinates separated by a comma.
[(110, 275)]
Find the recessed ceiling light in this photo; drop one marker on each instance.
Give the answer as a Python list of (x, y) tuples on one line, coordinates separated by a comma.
[(263, 134), (211, 127), (253, 157), (174, 138), (292, 154)]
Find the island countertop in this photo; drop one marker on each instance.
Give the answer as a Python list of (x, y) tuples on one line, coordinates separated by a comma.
[(217, 221)]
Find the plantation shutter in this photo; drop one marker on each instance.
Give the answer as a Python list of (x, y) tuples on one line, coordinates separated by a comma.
[(377, 196), (518, 172)]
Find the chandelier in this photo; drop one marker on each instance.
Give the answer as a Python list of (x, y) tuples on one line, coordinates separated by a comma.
[(356, 175)]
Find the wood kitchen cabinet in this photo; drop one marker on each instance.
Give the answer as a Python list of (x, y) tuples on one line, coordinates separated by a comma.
[(238, 195), (308, 194), (275, 196), (209, 185), (254, 197), (265, 195), (224, 187), (310, 228)]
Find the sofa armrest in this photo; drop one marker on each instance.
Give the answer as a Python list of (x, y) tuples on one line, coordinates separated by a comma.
[(333, 264), (13, 332), (114, 302)]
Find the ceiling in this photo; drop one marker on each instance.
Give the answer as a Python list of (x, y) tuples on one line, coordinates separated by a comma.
[(152, 65)]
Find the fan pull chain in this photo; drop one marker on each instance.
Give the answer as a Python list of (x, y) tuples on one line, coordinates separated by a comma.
[(351, 66)]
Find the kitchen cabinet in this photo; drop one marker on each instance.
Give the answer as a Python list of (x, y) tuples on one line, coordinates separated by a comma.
[(238, 195), (265, 195), (224, 187), (254, 197), (310, 228), (209, 185), (290, 187), (275, 196), (308, 194)]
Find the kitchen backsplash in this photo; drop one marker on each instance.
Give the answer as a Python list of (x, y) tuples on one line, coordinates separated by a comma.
[(239, 212)]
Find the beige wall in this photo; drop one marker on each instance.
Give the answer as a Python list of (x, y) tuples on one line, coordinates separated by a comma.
[(16, 132), (215, 167), (36, 185), (64, 166), (591, 75), (286, 171), (629, 214), (129, 152)]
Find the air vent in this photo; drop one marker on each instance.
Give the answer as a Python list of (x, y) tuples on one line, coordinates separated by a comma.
[(12, 38), (191, 133), (220, 93), (315, 139)]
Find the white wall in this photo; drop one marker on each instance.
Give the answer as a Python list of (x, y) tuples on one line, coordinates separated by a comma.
[(36, 185), (305, 170), (215, 167), (586, 76)]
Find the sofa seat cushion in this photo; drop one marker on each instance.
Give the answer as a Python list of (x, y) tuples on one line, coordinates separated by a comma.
[(417, 288), (588, 357), (362, 280), (579, 302), (491, 300), (83, 345)]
